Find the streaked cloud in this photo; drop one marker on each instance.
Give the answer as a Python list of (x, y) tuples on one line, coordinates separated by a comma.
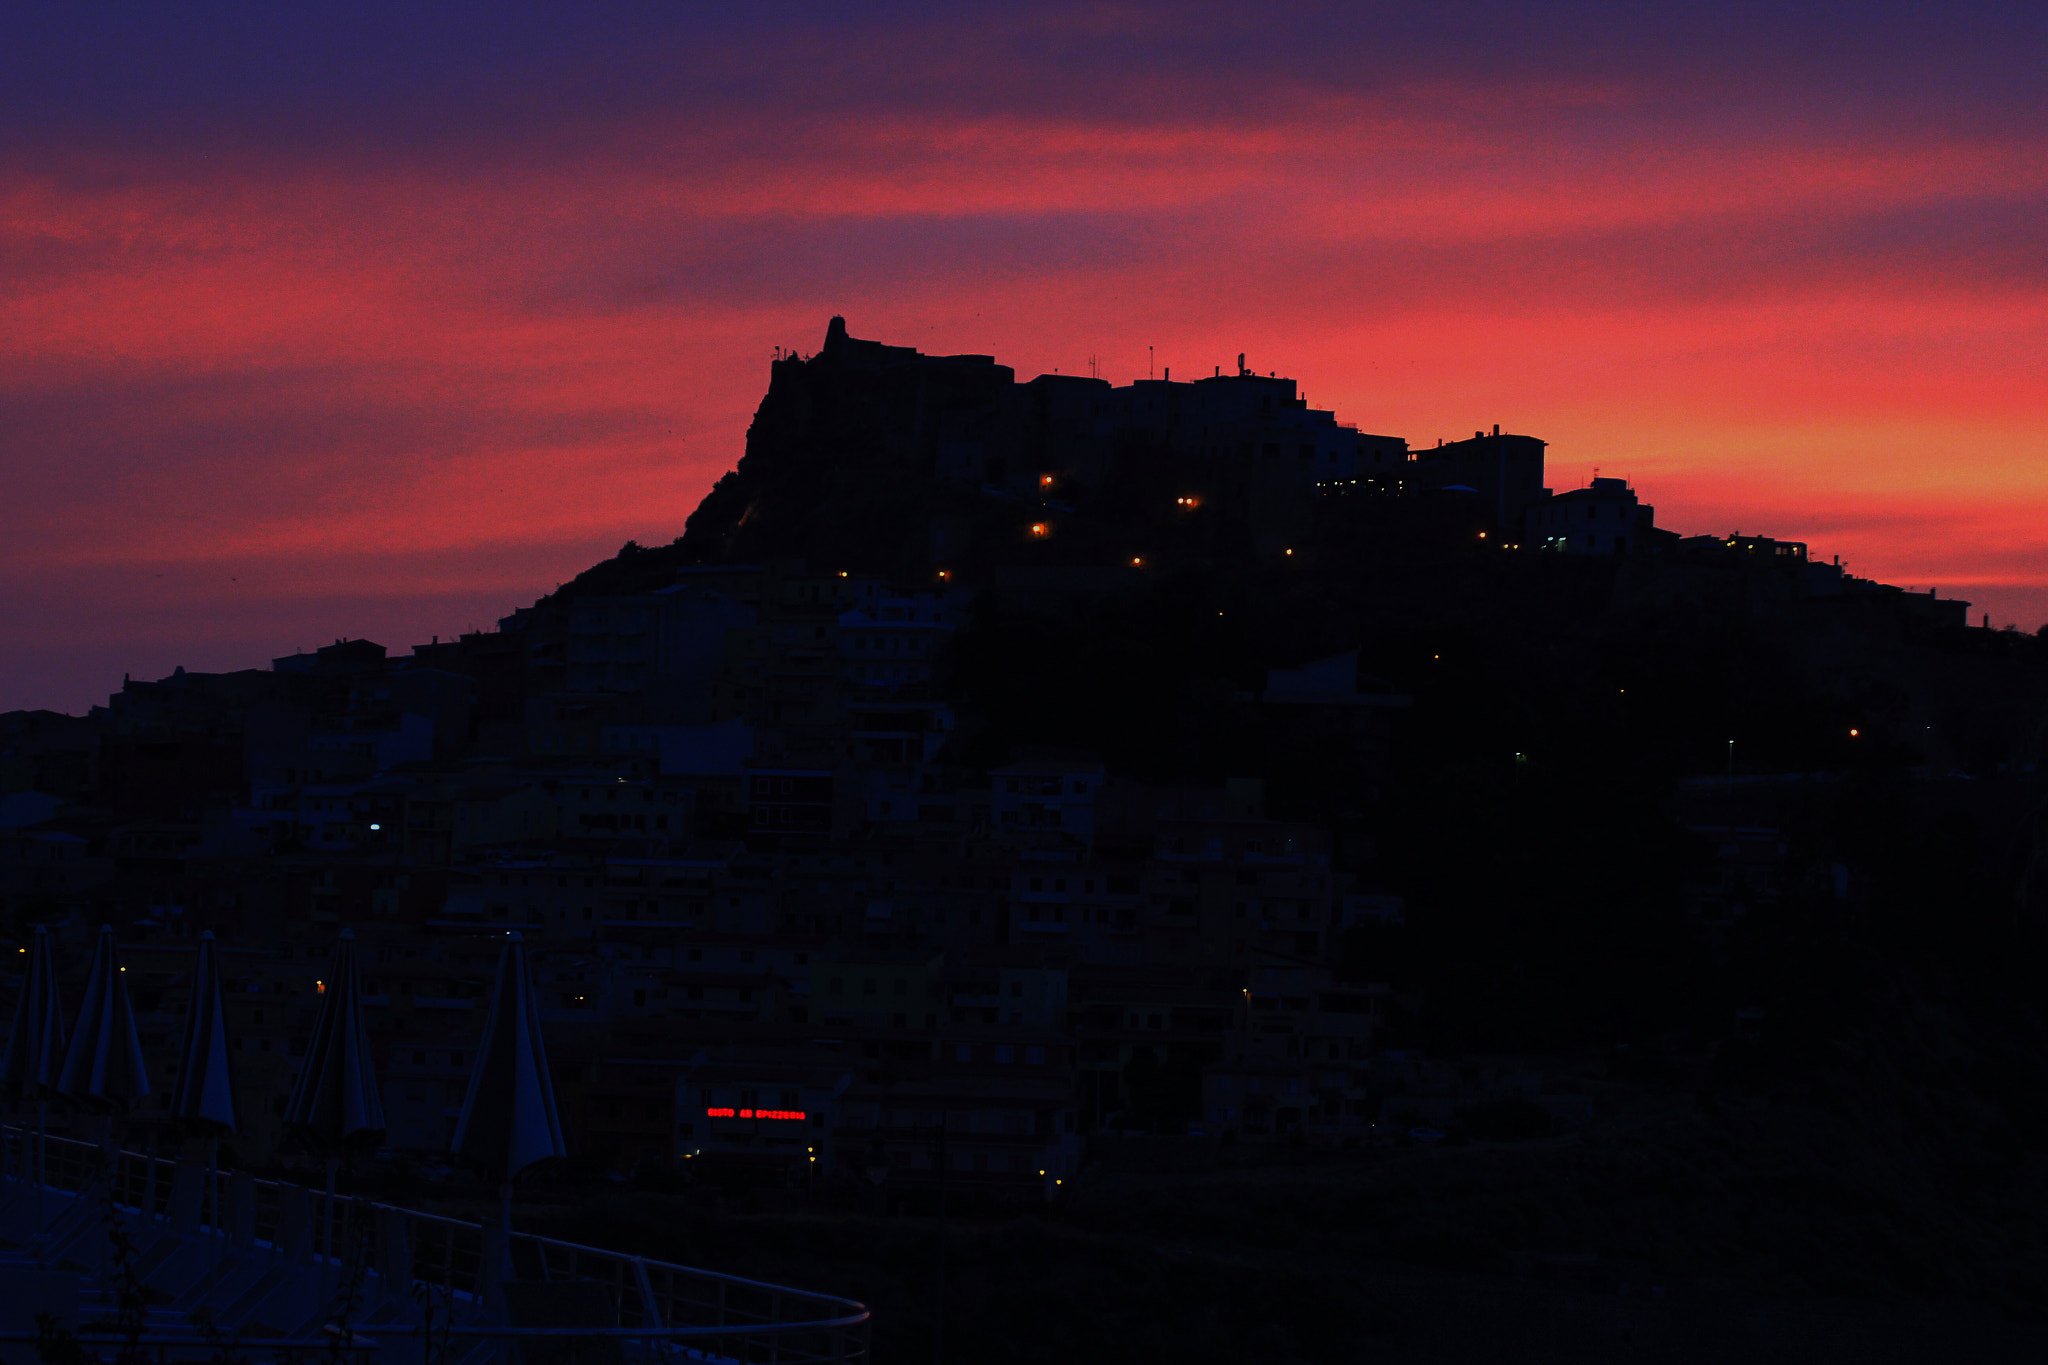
[(415, 327)]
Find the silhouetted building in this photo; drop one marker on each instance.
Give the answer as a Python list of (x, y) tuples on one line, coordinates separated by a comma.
[(1603, 518), (1502, 474)]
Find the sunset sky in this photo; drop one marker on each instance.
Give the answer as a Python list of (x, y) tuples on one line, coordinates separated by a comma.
[(383, 323)]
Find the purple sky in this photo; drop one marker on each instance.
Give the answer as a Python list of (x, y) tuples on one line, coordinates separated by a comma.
[(381, 323)]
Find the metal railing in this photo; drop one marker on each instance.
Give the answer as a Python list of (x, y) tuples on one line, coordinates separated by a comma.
[(399, 1259), (156, 1349)]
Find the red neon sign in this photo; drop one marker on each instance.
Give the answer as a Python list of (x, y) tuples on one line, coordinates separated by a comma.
[(796, 1114)]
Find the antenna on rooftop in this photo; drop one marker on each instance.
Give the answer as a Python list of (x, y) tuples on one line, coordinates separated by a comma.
[(1148, 363)]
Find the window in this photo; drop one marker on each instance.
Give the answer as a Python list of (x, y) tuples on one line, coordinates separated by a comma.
[(1034, 1056)]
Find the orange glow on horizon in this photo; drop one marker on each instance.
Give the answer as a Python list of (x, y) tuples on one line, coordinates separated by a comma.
[(262, 400)]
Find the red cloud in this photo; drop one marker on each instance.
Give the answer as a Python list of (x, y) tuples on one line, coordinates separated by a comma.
[(380, 382)]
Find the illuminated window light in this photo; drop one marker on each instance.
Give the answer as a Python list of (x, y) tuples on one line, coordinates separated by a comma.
[(1038, 528)]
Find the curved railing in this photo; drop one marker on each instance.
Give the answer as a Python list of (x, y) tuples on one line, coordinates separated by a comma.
[(426, 1281)]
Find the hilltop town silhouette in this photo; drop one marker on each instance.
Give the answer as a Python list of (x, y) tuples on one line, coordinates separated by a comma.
[(1108, 803)]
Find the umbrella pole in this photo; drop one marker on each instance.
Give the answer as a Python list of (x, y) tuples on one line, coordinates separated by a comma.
[(213, 1193), (327, 1261), (42, 1157), (505, 1223), (149, 1178)]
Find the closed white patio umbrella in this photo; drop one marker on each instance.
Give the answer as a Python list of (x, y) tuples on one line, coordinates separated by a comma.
[(334, 1105), (509, 1121), (203, 1101), (35, 1052), (103, 1065)]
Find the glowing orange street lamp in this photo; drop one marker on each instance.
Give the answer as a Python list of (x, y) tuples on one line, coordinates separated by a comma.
[(1038, 528)]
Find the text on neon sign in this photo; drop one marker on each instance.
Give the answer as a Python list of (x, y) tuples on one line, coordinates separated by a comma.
[(754, 1114)]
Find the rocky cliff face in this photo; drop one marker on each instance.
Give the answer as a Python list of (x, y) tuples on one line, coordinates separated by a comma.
[(840, 459)]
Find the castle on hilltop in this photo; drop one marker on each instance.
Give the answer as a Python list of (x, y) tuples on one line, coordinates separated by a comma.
[(1242, 453)]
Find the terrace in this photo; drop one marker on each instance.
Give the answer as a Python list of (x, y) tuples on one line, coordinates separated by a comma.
[(219, 1265)]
